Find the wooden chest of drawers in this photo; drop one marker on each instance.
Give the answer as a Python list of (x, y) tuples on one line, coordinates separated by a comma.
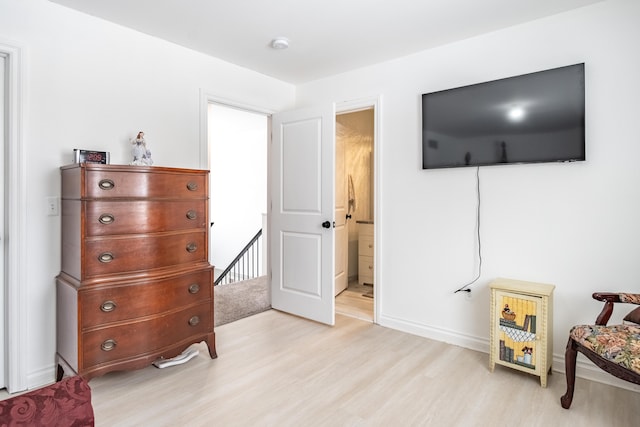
[(135, 284)]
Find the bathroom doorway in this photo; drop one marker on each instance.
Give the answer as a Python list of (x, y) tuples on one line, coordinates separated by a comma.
[(355, 172)]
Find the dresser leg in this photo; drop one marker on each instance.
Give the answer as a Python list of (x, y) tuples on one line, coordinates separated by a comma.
[(59, 372), (211, 345)]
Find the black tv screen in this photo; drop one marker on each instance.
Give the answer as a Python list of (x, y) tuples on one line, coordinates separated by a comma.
[(532, 118)]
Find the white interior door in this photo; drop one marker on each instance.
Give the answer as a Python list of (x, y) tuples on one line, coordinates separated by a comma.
[(341, 230), (302, 213), (2, 219)]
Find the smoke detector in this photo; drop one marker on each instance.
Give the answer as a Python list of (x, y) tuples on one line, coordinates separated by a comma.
[(280, 43)]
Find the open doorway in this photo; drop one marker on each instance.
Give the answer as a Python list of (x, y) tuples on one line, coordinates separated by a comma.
[(238, 189), (355, 132)]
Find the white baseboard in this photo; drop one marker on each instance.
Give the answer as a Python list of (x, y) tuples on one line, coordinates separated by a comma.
[(42, 377), (584, 368), (438, 334)]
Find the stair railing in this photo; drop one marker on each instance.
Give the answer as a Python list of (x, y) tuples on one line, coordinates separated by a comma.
[(246, 265)]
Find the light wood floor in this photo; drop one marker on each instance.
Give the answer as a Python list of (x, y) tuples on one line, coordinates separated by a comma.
[(351, 301), (275, 369)]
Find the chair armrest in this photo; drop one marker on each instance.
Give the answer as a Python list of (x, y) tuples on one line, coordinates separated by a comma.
[(611, 298), (607, 310), (630, 298)]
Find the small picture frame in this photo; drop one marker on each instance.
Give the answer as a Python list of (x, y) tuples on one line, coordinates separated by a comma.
[(90, 156)]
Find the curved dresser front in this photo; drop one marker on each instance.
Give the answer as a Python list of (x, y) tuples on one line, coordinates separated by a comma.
[(136, 284)]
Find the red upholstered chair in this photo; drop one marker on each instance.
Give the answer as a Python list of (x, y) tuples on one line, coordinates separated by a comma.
[(614, 349), (66, 403)]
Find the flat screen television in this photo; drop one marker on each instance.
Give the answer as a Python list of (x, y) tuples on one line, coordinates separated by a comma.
[(532, 118)]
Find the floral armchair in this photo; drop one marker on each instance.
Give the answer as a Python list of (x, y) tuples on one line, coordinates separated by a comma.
[(614, 349)]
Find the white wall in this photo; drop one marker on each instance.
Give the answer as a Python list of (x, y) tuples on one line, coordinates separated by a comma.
[(91, 84), (573, 225)]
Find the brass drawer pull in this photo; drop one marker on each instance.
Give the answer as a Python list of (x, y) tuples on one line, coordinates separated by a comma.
[(194, 288), (191, 214), (108, 306), (106, 257), (192, 247), (192, 186), (106, 219), (108, 345), (194, 320), (106, 184)]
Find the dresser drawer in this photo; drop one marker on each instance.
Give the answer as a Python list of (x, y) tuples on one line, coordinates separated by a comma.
[(140, 216), (125, 302), (130, 339), (127, 254), (139, 183), (365, 245)]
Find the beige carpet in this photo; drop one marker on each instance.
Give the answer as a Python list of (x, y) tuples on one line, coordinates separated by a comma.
[(240, 299)]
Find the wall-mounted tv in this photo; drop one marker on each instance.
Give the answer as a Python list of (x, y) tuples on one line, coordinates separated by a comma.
[(532, 118)]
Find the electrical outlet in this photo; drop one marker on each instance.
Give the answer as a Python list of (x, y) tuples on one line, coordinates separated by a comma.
[(53, 204)]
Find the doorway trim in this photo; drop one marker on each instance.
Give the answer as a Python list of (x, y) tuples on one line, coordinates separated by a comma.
[(207, 98), (15, 309), (351, 107)]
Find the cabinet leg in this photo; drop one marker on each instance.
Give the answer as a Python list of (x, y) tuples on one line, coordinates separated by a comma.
[(543, 380)]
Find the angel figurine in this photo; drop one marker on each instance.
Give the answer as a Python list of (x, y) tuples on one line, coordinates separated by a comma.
[(140, 151)]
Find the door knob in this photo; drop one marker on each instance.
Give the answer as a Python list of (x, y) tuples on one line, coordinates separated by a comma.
[(326, 224), (348, 216)]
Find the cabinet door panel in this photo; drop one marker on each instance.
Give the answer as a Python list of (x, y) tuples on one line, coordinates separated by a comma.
[(518, 329), (365, 245)]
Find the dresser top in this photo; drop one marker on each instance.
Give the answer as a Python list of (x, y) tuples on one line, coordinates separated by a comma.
[(129, 168)]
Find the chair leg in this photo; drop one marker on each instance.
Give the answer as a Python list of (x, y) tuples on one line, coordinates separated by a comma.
[(570, 372)]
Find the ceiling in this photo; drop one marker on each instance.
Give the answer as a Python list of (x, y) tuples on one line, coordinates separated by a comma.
[(326, 37)]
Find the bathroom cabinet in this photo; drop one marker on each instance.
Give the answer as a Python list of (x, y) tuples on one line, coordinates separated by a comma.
[(365, 252)]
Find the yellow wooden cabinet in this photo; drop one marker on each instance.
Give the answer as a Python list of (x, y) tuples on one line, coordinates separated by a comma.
[(521, 335)]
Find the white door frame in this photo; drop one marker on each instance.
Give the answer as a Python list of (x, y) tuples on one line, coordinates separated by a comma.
[(16, 314), (353, 106), (207, 98)]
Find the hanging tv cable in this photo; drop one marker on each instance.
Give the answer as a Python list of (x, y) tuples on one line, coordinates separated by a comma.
[(465, 288)]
